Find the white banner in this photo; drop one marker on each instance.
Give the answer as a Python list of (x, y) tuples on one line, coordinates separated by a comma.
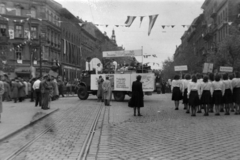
[(122, 82), (148, 80), (180, 68), (226, 69), (207, 67), (94, 78), (127, 53)]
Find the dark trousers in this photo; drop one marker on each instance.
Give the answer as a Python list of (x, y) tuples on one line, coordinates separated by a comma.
[(32, 95), (38, 97)]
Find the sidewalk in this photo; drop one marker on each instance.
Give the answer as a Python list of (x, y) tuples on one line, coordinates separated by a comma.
[(17, 116)]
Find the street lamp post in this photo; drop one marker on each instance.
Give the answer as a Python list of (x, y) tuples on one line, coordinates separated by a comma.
[(40, 55)]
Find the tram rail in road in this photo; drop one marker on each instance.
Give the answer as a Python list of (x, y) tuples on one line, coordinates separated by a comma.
[(85, 148)]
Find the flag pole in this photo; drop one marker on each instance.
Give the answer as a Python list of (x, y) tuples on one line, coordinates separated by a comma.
[(142, 59)]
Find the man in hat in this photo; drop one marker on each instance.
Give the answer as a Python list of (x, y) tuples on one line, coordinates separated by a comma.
[(107, 91)]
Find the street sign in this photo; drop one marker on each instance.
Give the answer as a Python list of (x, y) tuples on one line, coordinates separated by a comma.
[(226, 69), (181, 68)]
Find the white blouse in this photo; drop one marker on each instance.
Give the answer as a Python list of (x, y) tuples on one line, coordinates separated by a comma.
[(218, 86), (192, 86), (176, 83), (185, 84), (227, 84), (206, 87), (236, 83)]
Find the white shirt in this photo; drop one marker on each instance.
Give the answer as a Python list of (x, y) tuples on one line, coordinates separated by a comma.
[(218, 86), (185, 84), (227, 84), (192, 86), (36, 84), (176, 83), (206, 87), (236, 83)]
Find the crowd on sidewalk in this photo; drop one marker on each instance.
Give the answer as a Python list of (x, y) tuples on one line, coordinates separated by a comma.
[(211, 92), (41, 90)]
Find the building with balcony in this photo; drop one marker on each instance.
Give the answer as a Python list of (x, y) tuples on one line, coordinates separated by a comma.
[(29, 28)]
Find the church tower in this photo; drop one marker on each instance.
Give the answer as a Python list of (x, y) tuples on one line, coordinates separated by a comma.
[(113, 36)]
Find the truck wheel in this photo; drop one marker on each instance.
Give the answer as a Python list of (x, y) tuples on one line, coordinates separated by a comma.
[(119, 96), (83, 93)]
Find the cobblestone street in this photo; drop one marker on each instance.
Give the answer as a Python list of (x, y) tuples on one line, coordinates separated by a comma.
[(160, 134), (165, 134)]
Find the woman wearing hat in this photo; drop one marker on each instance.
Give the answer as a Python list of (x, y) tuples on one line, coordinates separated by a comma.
[(1, 93)]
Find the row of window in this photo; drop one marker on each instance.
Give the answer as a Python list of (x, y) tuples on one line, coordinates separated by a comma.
[(19, 31), (18, 10), (53, 37), (223, 16), (71, 37), (53, 18)]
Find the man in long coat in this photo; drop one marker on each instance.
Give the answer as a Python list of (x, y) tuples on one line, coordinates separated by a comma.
[(14, 89), (137, 96), (107, 91), (100, 89), (21, 90)]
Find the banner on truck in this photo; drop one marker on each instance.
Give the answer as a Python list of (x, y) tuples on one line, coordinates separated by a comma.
[(122, 82), (125, 53), (148, 81)]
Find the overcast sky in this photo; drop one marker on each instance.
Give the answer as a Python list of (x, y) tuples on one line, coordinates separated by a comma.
[(161, 42)]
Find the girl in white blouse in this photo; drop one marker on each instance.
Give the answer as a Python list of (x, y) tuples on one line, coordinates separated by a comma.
[(185, 83), (218, 92), (176, 89), (236, 92), (193, 94), (227, 97), (206, 94)]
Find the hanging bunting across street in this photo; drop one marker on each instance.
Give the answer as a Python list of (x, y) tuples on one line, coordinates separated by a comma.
[(152, 20), (141, 19), (130, 20)]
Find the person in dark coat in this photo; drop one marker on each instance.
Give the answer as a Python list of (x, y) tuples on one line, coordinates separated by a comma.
[(137, 96)]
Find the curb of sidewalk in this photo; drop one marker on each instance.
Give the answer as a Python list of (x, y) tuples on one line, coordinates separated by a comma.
[(27, 125)]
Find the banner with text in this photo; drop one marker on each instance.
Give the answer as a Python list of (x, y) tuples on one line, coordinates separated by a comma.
[(147, 80), (127, 53), (122, 82), (226, 69), (207, 67), (180, 68)]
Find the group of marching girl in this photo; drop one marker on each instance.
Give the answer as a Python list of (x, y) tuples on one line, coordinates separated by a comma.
[(219, 92)]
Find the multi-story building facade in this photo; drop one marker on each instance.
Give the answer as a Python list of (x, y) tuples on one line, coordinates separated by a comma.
[(29, 28), (210, 28)]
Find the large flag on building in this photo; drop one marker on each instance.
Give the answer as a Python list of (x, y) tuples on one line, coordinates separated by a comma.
[(152, 20), (11, 33), (64, 46), (130, 20)]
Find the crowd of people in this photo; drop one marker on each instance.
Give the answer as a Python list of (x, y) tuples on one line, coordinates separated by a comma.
[(42, 90), (210, 92)]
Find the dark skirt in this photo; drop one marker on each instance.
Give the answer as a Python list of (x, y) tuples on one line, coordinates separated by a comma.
[(176, 94), (185, 97), (206, 97), (193, 98), (228, 96), (217, 97), (236, 94)]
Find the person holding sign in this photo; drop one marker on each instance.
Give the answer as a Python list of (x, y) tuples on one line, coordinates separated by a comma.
[(176, 89), (193, 94), (218, 92)]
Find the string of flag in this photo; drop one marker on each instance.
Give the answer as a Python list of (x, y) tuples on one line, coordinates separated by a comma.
[(150, 55), (152, 63)]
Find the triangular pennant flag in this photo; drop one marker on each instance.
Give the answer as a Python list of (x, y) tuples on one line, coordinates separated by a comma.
[(106, 25), (229, 23), (96, 24), (141, 18), (39, 19), (173, 26), (152, 20), (10, 9), (21, 20), (153, 63), (129, 20), (163, 26), (183, 26), (117, 25)]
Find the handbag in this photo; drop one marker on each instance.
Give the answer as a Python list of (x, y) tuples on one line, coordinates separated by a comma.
[(130, 102)]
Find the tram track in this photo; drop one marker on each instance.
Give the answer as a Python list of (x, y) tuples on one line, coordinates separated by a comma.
[(87, 143), (85, 148)]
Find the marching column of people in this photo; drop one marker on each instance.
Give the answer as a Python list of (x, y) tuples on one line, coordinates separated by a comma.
[(212, 93)]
